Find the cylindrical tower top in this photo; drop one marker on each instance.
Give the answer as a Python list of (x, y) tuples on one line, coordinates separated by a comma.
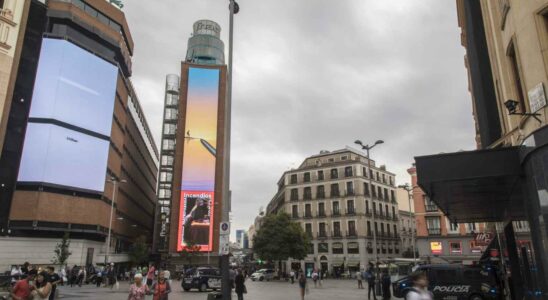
[(207, 27)]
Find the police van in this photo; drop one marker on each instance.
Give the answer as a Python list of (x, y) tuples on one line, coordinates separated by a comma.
[(454, 282)]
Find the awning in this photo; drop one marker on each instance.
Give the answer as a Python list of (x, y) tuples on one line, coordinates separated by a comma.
[(474, 186)]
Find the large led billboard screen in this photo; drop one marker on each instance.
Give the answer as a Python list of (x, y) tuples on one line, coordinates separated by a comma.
[(68, 134), (199, 160)]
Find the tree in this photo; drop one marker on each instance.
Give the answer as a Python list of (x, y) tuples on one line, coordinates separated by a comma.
[(62, 251), (138, 254), (189, 251), (279, 238)]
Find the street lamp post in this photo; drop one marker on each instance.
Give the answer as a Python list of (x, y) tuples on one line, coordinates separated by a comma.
[(409, 189), (115, 183), (367, 148)]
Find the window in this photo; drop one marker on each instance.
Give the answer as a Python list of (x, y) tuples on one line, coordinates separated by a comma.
[(344, 157), (337, 248), (386, 210), (364, 172), (310, 248), (335, 190), (386, 195), (429, 205), (350, 188), (347, 171), (171, 114), (515, 73), (320, 192), (170, 129), (374, 191), (337, 229), (307, 193), (322, 231), (366, 188), (308, 211), (295, 211), (167, 160), (382, 229), (377, 173), (350, 207), (395, 230), (294, 194), (334, 174), (383, 178), (366, 206), (433, 225), (471, 227), (320, 175), (321, 209), (392, 195), (444, 276), (306, 177), (323, 248), (293, 179), (388, 230), (308, 229), (353, 248), (91, 11), (164, 193), (376, 229), (369, 228), (172, 99), (166, 176), (352, 228), (336, 210), (394, 213), (331, 160), (380, 192), (168, 144), (375, 208), (453, 227), (370, 173), (455, 247), (391, 183)]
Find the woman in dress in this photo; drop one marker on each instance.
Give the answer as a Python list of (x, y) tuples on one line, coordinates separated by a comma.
[(239, 282), (138, 290), (42, 287), (302, 284), (161, 288)]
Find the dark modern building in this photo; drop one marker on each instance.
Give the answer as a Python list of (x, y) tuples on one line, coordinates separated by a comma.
[(506, 180), (77, 141)]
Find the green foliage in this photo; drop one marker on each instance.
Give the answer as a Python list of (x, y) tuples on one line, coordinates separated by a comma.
[(62, 251), (138, 254), (279, 238)]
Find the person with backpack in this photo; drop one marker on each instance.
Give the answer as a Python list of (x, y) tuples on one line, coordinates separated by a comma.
[(419, 291)]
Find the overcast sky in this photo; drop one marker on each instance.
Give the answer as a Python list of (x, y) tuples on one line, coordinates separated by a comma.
[(317, 74)]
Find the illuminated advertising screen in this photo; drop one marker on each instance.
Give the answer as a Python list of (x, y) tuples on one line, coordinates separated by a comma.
[(436, 247), (199, 159), (68, 134)]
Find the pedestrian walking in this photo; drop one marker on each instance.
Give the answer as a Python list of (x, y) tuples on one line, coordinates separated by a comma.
[(302, 284), (99, 278), (419, 290), (21, 290), (55, 280), (386, 283), (161, 288), (41, 288), (239, 282), (292, 275), (371, 284), (315, 278), (138, 290), (359, 277), (150, 275)]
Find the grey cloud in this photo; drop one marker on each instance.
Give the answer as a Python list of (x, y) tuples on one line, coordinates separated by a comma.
[(317, 74)]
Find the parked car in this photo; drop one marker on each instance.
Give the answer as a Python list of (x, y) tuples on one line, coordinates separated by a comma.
[(263, 274), (457, 282), (201, 278)]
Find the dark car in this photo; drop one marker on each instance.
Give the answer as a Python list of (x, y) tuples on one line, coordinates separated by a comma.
[(202, 278), (456, 282)]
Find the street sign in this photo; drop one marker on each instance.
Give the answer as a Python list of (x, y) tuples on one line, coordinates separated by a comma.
[(224, 245), (225, 228)]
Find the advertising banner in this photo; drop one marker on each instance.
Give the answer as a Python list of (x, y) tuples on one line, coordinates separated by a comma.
[(436, 247), (199, 160)]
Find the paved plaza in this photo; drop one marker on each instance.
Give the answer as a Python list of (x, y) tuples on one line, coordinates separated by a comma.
[(331, 289)]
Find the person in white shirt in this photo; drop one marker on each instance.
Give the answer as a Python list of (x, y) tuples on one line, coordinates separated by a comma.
[(419, 291)]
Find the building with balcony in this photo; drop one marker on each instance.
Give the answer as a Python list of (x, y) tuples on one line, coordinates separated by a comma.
[(13, 20), (505, 180), (66, 146), (330, 195), (437, 237)]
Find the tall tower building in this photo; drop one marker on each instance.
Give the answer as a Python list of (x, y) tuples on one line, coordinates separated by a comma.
[(193, 131)]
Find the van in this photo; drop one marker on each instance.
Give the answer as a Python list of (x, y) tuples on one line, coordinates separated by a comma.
[(453, 282)]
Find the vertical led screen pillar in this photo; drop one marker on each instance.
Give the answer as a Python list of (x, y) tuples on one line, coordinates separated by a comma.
[(199, 160)]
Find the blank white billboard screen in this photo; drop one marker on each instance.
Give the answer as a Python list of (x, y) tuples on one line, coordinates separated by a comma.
[(60, 156), (74, 86)]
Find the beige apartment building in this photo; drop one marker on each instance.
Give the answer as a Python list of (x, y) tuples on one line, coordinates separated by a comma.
[(13, 19), (330, 195)]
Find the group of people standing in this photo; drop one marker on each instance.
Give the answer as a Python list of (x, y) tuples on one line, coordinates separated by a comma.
[(371, 279), (35, 284), (157, 284)]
